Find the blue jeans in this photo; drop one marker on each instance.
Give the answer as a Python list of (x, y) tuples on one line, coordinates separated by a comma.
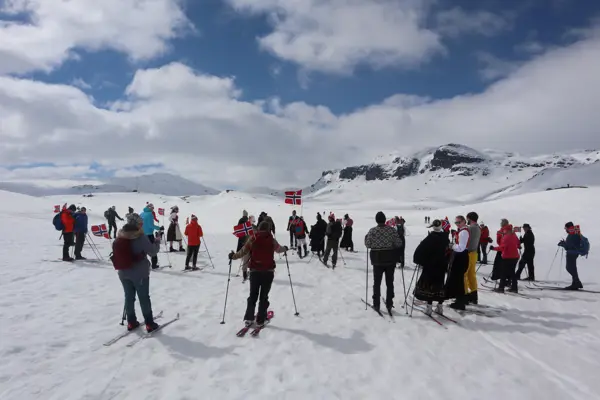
[(142, 288)]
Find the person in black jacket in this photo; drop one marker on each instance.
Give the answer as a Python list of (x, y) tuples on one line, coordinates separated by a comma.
[(432, 255), (333, 233), (528, 240), (242, 240), (317, 236), (402, 233), (111, 216)]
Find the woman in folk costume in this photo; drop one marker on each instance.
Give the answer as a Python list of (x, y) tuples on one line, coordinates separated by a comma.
[(347, 242), (455, 284), (174, 233)]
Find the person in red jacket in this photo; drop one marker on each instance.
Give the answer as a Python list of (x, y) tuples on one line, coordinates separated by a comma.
[(68, 221), (261, 248), (509, 248), (194, 232), (484, 240)]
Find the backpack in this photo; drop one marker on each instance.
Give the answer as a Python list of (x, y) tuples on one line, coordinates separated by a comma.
[(57, 222), (300, 228), (584, 246), (106, 214), (122, 256), (261, 256)]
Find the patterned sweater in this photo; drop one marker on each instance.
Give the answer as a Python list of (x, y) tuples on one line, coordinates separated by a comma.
[(384, 243)]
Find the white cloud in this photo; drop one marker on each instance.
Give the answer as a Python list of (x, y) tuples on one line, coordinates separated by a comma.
[(456, 21), (80, 83), (495, 68), (338, 35), (55, 30), (198, 125)]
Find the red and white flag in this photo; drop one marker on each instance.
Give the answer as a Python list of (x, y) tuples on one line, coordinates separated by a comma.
[(57, 208), (294, 197), (446, 224), (161, 211), (100, 231), (391, 222), (243, 230)]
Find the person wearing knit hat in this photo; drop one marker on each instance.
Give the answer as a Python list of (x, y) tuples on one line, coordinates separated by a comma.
[(68, 223), (261, 248), (334, 234), (432, 256), (383, 242), (129, 257), (194, 233)]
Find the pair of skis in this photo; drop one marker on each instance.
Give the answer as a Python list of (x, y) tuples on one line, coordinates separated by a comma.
[(537, 286), (255, 329), (142, 336)]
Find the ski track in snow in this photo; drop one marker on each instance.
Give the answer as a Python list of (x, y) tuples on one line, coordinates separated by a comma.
[(56, 316)]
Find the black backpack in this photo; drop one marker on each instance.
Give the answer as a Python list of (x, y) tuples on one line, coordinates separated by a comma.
[(122, 256)]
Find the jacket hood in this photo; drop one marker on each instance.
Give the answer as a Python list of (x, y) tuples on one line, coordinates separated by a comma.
[(130, 232), (147, 209)]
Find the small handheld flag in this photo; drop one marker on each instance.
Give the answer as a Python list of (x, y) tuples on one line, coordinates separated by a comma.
[(391, 222), (243, 230), (57, 208), (294, 198), (161, 211), (100, 231)]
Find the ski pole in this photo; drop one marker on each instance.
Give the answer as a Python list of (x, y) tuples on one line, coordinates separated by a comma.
[(403, 285), (409, 286), (367, 282), (124, 316), (208, 252), (291, 286), (341, 255), (226, 292), (413, 300), (553, 260)]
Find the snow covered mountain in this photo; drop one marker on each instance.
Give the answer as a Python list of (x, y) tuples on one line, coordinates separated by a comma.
[(483, 174), (158, 183)]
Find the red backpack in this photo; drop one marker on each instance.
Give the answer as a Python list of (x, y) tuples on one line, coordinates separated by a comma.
[(122, 256), (261, 257)]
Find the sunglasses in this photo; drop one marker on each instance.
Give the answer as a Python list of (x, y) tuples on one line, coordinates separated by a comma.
[(458, 222)]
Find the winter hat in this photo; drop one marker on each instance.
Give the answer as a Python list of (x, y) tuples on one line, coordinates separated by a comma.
[(380, 217), (134, 219), (72, 207), (264, 226), (150, 205), (332, 217), (194, 218), (527, 226), (130, 210), (473, 216), (252, 219), (569, 225), (436, 225), (245, 213)]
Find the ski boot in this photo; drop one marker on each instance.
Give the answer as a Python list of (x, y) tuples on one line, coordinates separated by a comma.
[(132, 325), (187, 268), (429, 309), (181, 249), (151, 326), (439, 309), (171, 249)]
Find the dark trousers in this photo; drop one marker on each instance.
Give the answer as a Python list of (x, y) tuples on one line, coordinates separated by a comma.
[(192, 252), (508, 273), (142, 288), (482, 249), (67, 242), (154, 259), (332, 245), (401, 252), (572, 267), (378, 272), (260, 285), (292, 239), (112, 225), (79, 241), (527, 259)]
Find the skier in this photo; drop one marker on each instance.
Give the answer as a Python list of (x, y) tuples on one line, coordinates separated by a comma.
[(129, 211), (264, 217), (149, 228), (194, 233), (527, 240), (333, 233), (242, 221), (174, 233), (111, 216), (347, 242), (572, 245), (384, 242), (129, 257), (402, 233), (483, 243), (432, 255), (261, 248), (472, 246), (455, 284), (301, 230), (246, 258), (509, 248), (68, 222), (317, 236), (497, 268), (80, 229), (291, 228)]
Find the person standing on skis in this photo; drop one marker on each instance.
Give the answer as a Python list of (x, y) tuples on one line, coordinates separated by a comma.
[(80, 230), (509, 249), (149, 228), (527, 240), (261, 248), (484, 240), (472, 247), (291, 228), (333, 233), (111, 217), (193, 231), (301, 230), (572, 245), (242, 221), (68, 223)]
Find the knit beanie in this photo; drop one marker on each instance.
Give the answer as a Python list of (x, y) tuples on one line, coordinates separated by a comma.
[(380, 218), (134, 219)]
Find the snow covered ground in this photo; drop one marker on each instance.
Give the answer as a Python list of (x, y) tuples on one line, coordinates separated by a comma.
[(54, 317)]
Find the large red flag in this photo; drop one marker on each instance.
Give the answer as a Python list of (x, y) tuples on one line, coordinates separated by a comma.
[(294, 197)]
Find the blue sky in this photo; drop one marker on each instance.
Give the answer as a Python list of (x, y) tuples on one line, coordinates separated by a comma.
[(460, 48)]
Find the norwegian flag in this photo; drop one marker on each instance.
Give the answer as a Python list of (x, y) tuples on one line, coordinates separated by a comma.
[(100, 231), (517, 229), (243, 230), (294, 197), (57, 208), (446, 224), (161, 211), (391, 222)]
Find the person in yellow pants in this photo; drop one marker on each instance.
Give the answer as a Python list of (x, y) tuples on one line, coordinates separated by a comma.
[(472, 245)]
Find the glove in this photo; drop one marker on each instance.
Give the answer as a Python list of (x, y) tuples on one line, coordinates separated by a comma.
[(490, 240), (231, 255), (157, 235), (561, 243), (285, 249)]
